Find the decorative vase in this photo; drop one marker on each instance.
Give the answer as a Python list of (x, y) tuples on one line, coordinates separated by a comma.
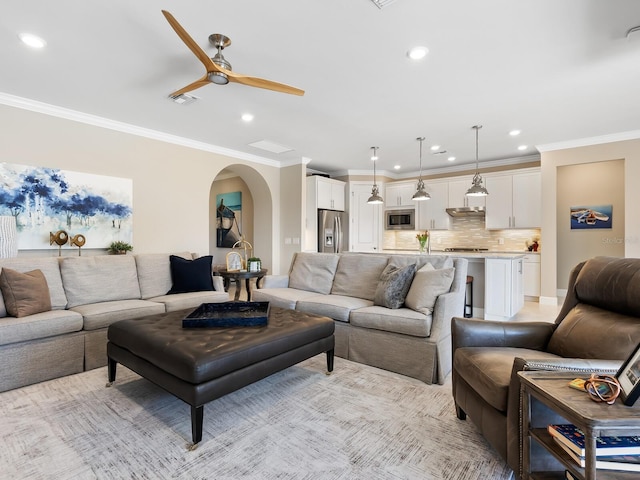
[(8, 237), (423, 247)]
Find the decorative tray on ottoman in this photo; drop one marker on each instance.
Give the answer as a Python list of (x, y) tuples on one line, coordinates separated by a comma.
[(228, 314)]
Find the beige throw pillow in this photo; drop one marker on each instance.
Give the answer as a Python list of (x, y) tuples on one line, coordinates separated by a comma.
[(427, 285), (24, 293)]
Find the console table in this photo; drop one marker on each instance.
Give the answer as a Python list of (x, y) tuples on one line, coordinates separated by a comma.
[(237, 276), (547, 398)]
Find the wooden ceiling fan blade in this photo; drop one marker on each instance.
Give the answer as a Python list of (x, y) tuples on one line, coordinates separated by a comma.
[(201, 82), (262, 83), (189, 42)]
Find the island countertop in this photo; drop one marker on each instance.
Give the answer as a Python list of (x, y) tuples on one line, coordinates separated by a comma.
[(482, 255)]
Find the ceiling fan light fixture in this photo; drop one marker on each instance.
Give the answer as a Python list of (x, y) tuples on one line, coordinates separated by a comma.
[(421, 194), (375, 198), (477, 189)]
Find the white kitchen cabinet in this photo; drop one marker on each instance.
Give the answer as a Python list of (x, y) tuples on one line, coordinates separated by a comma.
[(432, 214), (329, 193), (514, 201), (504, 294), (457, 198), (531, 276), (400, 194)]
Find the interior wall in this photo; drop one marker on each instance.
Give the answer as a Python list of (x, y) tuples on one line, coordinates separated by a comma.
[(171, 183), (293, 213), (627, 150), (600, 183)]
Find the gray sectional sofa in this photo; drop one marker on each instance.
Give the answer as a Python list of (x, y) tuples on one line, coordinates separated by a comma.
[(414, 340), (87, 294)]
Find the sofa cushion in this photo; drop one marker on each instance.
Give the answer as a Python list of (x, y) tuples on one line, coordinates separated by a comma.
[(39, 325), (101, 278), (393, 286), (24, 293), (50, 267), (313, 272), (337, 307), (427, 285), (102, 314), (181, 301), (402, 320), (488, 370), (281, 297), (357, 275), (591, 332), (191, 275), (154, 273), (611, 284)]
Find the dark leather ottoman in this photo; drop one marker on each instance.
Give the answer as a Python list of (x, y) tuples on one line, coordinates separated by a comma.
[(198, 365)]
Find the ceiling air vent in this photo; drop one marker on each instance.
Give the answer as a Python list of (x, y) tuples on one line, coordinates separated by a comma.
[(184, 98), (382, 3)]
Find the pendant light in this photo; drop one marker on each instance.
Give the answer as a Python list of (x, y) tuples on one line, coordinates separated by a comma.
[(375, 197), (421, 194), (477, 189)]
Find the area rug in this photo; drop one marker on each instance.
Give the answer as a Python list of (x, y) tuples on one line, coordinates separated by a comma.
[(358, 423)]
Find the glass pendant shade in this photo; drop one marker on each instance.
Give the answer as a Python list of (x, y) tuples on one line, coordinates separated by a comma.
[(421, 194), (477, 189), (375, 197)]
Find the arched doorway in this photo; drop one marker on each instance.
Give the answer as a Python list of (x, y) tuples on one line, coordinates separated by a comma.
[(256, 217)]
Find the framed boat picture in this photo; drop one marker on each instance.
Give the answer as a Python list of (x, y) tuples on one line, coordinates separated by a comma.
[(591, 217)]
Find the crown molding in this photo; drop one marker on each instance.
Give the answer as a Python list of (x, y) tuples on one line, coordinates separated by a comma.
[(80, 117), (586, 142), (452, 169)]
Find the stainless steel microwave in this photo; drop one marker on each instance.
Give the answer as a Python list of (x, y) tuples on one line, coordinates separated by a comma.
[(400, 219)]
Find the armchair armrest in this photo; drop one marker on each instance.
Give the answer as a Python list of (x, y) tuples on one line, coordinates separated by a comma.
[(468, 332), (275, 281)]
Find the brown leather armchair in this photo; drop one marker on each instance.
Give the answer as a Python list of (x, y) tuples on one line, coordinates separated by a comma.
[(597, 329)]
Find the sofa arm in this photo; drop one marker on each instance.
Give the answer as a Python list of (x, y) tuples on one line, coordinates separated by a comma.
[(275, 281), (467, 332)]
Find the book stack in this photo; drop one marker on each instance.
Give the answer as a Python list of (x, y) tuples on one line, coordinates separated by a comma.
[(612, 453)]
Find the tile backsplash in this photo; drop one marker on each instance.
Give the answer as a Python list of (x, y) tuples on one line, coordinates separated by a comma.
[(465, 232)]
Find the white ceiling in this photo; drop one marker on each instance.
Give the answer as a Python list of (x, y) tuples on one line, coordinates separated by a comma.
[(557, 70)]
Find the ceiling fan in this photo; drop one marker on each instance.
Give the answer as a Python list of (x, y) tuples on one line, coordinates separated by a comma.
[(218, 69)]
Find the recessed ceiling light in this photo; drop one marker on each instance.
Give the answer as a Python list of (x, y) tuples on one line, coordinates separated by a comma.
[(522, 147), (247, 117), (31, 40), (514, 133), (451, 159), (396, 167), (417, 53), (435, 147)]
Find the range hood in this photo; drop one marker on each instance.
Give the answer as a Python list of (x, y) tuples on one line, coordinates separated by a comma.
[(466, 211)]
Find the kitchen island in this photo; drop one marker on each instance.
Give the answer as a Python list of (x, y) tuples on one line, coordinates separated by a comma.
[(498, 290)]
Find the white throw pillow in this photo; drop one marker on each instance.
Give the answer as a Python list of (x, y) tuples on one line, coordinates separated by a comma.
[(428, 284)]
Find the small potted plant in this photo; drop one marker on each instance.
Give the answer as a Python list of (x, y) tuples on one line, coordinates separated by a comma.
[(119, 248), (254, 264)]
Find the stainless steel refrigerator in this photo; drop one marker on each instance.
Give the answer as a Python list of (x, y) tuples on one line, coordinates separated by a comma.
[(331, 231)]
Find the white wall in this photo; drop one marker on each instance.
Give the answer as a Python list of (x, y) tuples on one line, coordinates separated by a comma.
[(171, 183), (629, 151)]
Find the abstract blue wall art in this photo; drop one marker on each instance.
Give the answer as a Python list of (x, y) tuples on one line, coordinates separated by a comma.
[(46, 200), (590, 217)]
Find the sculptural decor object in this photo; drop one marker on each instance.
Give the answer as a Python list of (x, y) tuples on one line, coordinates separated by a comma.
[(59, 238)]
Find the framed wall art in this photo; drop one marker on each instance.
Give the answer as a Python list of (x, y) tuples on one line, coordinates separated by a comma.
[(591, 217), (45, 200)]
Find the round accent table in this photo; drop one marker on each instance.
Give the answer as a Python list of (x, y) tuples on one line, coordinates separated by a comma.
[(237, 276)]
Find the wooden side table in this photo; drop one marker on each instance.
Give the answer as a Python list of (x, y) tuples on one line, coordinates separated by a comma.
[(237, 276), (547, 394)]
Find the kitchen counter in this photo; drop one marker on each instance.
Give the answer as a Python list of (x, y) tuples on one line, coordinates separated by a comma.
[(466, 254)]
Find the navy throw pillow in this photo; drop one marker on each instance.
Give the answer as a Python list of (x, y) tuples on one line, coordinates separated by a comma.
[(190, 275)]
